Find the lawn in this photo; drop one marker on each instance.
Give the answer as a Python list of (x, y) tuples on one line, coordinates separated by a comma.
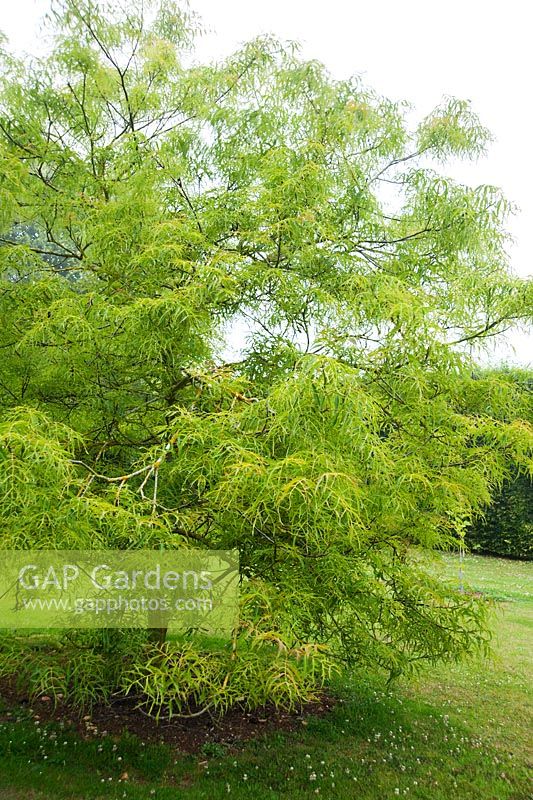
[(455, 732)]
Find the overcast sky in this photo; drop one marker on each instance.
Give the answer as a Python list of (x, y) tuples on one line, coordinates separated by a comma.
[(415, 50)]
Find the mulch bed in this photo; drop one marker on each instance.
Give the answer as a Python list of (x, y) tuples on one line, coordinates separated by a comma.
[(186, 735)]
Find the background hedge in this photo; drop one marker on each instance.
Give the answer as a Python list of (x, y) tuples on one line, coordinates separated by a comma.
[(507, 528)]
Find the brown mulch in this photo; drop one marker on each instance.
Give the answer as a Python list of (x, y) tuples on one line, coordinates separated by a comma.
[(186, 735)]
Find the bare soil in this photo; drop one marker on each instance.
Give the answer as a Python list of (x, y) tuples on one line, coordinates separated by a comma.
[(186, 735)]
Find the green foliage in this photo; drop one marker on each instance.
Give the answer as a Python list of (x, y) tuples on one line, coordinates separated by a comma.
[(178, 678), (149, 207), (82, 667), (506, 528), (181, 679)]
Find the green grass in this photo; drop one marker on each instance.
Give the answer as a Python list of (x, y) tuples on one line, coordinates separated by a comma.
[(456, 732)]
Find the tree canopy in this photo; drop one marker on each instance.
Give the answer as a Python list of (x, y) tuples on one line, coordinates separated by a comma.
[(150, 206)]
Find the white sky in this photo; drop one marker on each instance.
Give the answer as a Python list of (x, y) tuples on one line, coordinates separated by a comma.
[(416, 50)]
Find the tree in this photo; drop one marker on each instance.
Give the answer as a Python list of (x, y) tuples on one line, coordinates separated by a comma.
[(339, 447), (506, 526)]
